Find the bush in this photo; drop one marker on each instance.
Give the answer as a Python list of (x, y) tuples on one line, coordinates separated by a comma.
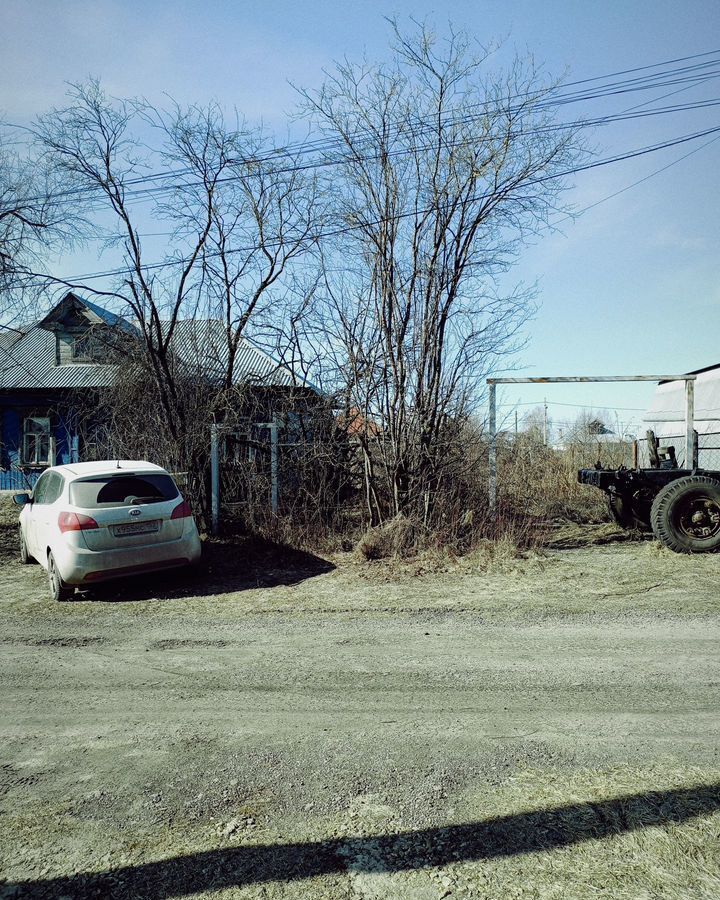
[(398, 537)]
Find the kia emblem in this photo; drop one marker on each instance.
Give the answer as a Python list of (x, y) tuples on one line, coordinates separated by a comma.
[(135, 512)]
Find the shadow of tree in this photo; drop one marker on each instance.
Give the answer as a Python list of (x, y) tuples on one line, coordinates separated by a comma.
[(231, 564), (510, 835)]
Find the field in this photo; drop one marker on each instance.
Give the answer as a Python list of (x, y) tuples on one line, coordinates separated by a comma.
[(289, 726)]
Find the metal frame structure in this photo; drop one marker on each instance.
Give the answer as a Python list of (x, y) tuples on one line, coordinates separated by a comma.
[(216, 432), (492, 411)]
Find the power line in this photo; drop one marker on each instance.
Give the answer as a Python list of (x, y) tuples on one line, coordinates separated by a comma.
[(91, 276), (573, 405), (697, 74)]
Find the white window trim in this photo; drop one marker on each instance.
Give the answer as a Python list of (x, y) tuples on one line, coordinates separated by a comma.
[(50, 461)]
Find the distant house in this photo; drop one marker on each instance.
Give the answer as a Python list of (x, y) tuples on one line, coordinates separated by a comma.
[(47, 368)]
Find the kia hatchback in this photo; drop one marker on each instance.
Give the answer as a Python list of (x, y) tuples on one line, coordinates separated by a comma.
[(90, 522)]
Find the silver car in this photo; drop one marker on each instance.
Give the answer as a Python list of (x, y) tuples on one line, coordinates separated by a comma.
[(89, 522)]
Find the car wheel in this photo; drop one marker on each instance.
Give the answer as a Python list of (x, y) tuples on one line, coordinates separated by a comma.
[(685, 515), (25, 557), (59, 591)]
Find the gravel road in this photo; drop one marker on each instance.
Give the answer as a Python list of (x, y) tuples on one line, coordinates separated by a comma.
[(335, 731)]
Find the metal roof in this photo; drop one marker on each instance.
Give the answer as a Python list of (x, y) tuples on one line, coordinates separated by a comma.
[(30, 365), (203, 344), (28, 361)]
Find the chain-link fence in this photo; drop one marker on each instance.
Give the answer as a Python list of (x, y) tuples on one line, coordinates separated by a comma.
[(708, 449)]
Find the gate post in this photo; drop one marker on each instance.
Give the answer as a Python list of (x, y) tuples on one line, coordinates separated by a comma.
[(274, 467), (690, 461), (215, 477), (492, 452)]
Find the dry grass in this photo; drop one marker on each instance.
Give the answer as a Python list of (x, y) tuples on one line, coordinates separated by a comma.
[(8, 511), (542, 482), (633, 833), (399, 537)]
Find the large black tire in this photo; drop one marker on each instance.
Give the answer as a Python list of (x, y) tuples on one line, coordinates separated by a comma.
[(685, 515), (25, 557), (626, 511), (59, 591)]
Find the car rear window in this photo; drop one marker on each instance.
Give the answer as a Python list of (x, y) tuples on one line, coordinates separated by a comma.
[(122, 490)]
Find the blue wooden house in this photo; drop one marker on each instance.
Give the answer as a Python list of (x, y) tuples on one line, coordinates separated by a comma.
[(48, 367), (43, 369)]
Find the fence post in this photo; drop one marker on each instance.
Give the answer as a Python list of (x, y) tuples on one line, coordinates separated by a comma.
[(690, 461), (215, 477), (274, 467), (492, 452)]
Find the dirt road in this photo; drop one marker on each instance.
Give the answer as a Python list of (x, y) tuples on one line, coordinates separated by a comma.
[(547, 731)]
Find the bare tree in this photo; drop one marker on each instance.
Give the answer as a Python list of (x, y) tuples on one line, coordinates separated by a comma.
[(31, 222), (439, 174), (237, 220)]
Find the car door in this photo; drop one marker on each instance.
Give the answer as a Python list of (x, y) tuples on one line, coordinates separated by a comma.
[(29, 513), (47, 490)]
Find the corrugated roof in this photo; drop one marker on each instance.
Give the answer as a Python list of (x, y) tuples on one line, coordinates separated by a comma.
[(204, 343), (29, 361), (30, 365)]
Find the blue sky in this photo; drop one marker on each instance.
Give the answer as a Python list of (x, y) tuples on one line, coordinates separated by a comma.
[(631, 286)]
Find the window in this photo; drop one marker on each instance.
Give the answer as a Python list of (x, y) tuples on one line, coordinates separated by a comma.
[(80, 347), (37, 441), (122, 490), (48, 488), (41, 488), (87, 347)]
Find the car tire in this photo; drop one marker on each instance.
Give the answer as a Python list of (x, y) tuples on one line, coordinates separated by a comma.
[(59, 591), (685, 515), (25, 558)]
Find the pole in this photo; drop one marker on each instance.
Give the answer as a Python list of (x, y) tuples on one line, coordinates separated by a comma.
[(492, 452), (545, 421), (690, 461), (215, 477), (274, 467)]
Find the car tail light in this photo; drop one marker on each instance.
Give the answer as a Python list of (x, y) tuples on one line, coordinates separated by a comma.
[(70, 521), (181, 511)]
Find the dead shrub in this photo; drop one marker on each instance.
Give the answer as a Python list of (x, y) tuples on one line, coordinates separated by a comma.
[(398, 537)]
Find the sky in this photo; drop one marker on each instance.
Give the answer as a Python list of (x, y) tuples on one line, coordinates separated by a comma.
[(630, 286)]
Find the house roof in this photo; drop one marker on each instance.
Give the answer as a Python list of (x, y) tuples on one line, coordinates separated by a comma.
[(204, 343), (28, 361)]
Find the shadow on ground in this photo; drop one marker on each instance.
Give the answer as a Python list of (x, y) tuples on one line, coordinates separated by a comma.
[(230, 564), (542, 830)]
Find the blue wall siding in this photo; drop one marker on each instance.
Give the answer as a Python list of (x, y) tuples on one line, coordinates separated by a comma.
[(11, 425), (10, 438), (18, 481)]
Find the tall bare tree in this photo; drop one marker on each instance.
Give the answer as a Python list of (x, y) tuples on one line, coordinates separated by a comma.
[(236, 219), (438, 170), (31, 221)]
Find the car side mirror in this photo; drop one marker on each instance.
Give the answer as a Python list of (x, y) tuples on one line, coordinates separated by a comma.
[(21, 499)]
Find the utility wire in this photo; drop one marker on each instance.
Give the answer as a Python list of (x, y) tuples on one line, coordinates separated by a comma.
[(320, 146), (347, 229)]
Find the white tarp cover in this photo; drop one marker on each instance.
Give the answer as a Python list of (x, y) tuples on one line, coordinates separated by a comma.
[(666, 416)]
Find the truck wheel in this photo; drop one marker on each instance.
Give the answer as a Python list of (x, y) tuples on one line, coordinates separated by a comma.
[(685, 515), (630, 511)]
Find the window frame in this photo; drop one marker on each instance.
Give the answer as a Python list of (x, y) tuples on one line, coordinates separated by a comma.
[(47, 433)]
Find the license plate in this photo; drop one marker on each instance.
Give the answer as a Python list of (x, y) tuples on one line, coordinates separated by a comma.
[(136, 528)]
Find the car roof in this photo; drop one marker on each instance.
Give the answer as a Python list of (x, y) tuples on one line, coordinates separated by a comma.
[(107, 467)]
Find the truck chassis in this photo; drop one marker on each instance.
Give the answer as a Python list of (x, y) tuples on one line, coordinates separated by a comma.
[(680, 506)]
